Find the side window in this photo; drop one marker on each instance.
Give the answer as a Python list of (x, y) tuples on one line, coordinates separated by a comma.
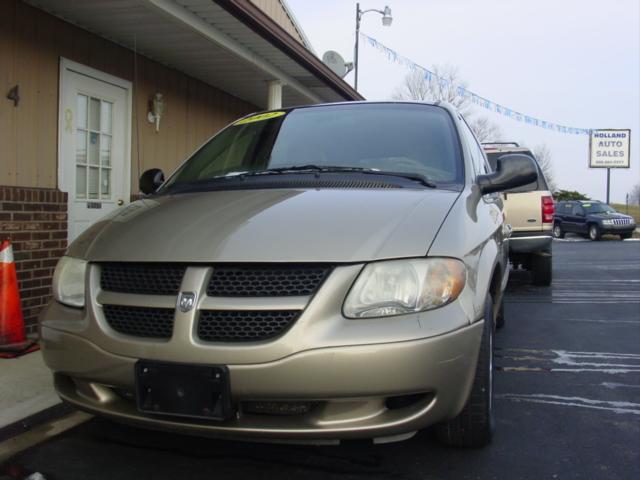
[(480, 164), (577, 210)]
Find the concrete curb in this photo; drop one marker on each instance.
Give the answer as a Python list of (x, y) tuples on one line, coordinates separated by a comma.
[(41, 433), (35, 420)]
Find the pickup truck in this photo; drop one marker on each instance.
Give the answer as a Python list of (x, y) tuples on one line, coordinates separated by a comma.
[(529, 210)]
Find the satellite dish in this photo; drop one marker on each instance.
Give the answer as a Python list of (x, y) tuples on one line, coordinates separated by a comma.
[(336, 63)]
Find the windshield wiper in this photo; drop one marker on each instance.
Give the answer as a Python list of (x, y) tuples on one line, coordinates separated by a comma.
[(411, 176), (335, 168)]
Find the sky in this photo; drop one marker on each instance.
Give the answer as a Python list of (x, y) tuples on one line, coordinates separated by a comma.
[(571, 62)]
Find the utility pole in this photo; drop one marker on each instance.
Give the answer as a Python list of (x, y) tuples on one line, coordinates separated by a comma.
[(355, 55), (386, 21)]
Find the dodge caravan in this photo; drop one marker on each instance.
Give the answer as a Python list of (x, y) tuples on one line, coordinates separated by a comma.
[(310, 274)]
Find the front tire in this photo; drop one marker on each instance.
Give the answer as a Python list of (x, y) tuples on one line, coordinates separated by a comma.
[(474, 426), (594, 232), (541, 270), (624, 236), (558, 232)]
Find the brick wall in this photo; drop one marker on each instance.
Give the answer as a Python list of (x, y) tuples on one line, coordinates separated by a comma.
[(35, 220)]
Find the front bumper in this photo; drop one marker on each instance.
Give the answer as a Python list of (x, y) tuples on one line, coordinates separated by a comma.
[(351, 384), (617, 229)]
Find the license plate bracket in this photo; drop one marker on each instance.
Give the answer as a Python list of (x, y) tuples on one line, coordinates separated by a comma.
[(194, 391)]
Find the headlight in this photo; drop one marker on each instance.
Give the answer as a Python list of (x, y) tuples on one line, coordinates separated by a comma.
[(607, 222), (68, 281), (405, 286)]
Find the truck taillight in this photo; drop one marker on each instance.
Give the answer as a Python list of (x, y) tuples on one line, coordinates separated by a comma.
[(547, 209)]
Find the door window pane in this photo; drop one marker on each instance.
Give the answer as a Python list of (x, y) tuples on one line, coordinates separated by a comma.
[(105, 118), (81, 113), (94, 114), (81, 182), (81, 146), (93, 182), (105, 150), (94, 140), (105, 183)]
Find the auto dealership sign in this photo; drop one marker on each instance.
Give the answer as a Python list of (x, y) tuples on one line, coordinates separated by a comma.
[(609, 148)]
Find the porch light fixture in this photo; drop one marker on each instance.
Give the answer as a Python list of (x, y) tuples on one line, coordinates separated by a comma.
[(156, 110)]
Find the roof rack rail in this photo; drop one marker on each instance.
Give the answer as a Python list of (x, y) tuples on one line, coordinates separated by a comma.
[(512, 144)]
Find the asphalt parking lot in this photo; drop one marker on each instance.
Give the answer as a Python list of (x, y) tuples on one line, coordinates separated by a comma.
[(567, 401)]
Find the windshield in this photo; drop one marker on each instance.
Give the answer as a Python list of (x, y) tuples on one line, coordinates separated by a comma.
[(598, 208), (401, 138)]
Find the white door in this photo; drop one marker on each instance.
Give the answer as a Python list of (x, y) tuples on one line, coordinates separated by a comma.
[(94, 144)]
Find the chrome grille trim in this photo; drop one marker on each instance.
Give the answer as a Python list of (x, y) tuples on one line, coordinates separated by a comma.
[(621, 221), (136, 300), (253, 303)]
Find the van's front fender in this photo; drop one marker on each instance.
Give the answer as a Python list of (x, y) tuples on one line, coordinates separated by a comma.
[(473, 231)]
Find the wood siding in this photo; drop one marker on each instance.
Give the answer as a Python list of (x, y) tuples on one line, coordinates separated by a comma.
[(31, 45), (278, 14)]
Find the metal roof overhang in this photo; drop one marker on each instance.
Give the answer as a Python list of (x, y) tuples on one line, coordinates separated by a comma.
[(229, 44)]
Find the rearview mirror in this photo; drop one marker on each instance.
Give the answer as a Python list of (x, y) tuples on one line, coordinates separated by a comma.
[(151, 180), (512, 170)]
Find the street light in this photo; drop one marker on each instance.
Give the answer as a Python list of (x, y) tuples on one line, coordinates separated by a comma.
[(386, 22)]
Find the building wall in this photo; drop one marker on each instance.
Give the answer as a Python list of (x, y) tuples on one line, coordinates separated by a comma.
[(35, 219), (33, 213), (31, 44)]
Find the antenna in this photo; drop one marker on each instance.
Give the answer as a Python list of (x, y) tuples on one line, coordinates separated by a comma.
[(336, 63)]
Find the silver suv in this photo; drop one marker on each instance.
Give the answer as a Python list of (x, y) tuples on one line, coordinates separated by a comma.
[(310, 274)]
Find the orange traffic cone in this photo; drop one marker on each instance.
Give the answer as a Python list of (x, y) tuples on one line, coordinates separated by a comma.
[(13, 341)]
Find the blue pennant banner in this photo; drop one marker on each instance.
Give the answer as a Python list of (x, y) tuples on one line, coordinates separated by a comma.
[(475, 99)]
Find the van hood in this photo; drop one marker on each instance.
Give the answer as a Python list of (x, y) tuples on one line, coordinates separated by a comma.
[(270, 225)]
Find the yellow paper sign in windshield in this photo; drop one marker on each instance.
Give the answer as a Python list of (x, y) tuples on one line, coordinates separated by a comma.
[(260, 117)]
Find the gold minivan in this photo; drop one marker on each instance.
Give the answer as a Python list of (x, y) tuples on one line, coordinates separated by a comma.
[(310, 274)]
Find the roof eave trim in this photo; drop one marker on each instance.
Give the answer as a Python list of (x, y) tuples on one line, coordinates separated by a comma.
[(263, 25)]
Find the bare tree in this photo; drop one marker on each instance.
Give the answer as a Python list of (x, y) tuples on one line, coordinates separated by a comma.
[(443, 86), (634, 195), (484, 129), (543, 155)]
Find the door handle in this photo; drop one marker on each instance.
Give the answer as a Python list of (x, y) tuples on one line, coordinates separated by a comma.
[(120, 202)]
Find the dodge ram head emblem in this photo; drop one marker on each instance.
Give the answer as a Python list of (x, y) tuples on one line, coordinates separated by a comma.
[(186, 301)]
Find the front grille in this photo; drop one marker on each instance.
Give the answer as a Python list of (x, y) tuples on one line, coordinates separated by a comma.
[(621, 221), (266, 281), (243, 326), (140, 321), (140, 278)]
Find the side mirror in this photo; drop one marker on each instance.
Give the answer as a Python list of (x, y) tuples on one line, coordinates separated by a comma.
[(151, 180), (513, 170)]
